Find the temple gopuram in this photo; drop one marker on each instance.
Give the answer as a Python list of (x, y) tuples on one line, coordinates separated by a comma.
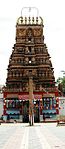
[(30, 59)]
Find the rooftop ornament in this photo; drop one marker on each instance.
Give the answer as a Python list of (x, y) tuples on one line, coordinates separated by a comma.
[(30, 15)]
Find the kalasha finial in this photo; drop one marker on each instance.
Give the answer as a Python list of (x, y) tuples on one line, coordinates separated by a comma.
[(25, 20), (41, 20), (29, 20), (33, 20), (21, 19), (36, 20)]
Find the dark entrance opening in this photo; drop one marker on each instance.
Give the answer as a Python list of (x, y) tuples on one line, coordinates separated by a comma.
[(36, 111), (26, 111)]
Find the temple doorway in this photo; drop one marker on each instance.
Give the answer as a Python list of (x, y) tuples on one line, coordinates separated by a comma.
[(26, 111), (37, 111)]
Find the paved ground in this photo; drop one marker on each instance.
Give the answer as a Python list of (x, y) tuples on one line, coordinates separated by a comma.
[(39, 136)]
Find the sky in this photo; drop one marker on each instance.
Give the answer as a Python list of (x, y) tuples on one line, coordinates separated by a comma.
[(53, 14)]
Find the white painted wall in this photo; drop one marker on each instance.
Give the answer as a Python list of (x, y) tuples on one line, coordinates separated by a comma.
[(62, 106)]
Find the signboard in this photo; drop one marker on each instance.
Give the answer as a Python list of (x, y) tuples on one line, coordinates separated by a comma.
[(12, 95), (23, 97), (26, 97)]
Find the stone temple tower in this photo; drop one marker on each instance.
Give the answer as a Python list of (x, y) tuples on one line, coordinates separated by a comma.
[(29, 58)]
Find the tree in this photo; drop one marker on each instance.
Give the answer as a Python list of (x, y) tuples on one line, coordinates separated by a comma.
[(59, 80), (61, 83)]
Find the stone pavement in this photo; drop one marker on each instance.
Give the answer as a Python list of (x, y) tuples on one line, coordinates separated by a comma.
[(39, 136)]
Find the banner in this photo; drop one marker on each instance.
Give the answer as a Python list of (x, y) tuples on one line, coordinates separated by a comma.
[(26, 97)]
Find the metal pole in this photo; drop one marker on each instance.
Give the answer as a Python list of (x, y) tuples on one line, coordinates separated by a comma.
[(31, 105)]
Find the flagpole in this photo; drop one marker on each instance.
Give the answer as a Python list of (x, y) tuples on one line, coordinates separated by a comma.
[(31, 104)]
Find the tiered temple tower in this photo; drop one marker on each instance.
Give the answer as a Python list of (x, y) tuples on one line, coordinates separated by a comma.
[(29, 58)]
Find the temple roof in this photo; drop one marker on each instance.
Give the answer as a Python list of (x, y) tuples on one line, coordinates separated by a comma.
[(31, 16), (30, 20)]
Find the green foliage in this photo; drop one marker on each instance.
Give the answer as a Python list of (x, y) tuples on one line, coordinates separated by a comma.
[(61, 82)]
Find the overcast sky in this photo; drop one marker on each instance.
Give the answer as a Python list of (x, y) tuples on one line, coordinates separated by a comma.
[(53, 14)]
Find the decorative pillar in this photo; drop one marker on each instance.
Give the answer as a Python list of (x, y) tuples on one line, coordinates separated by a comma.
[(57, 105), (50, 103)]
